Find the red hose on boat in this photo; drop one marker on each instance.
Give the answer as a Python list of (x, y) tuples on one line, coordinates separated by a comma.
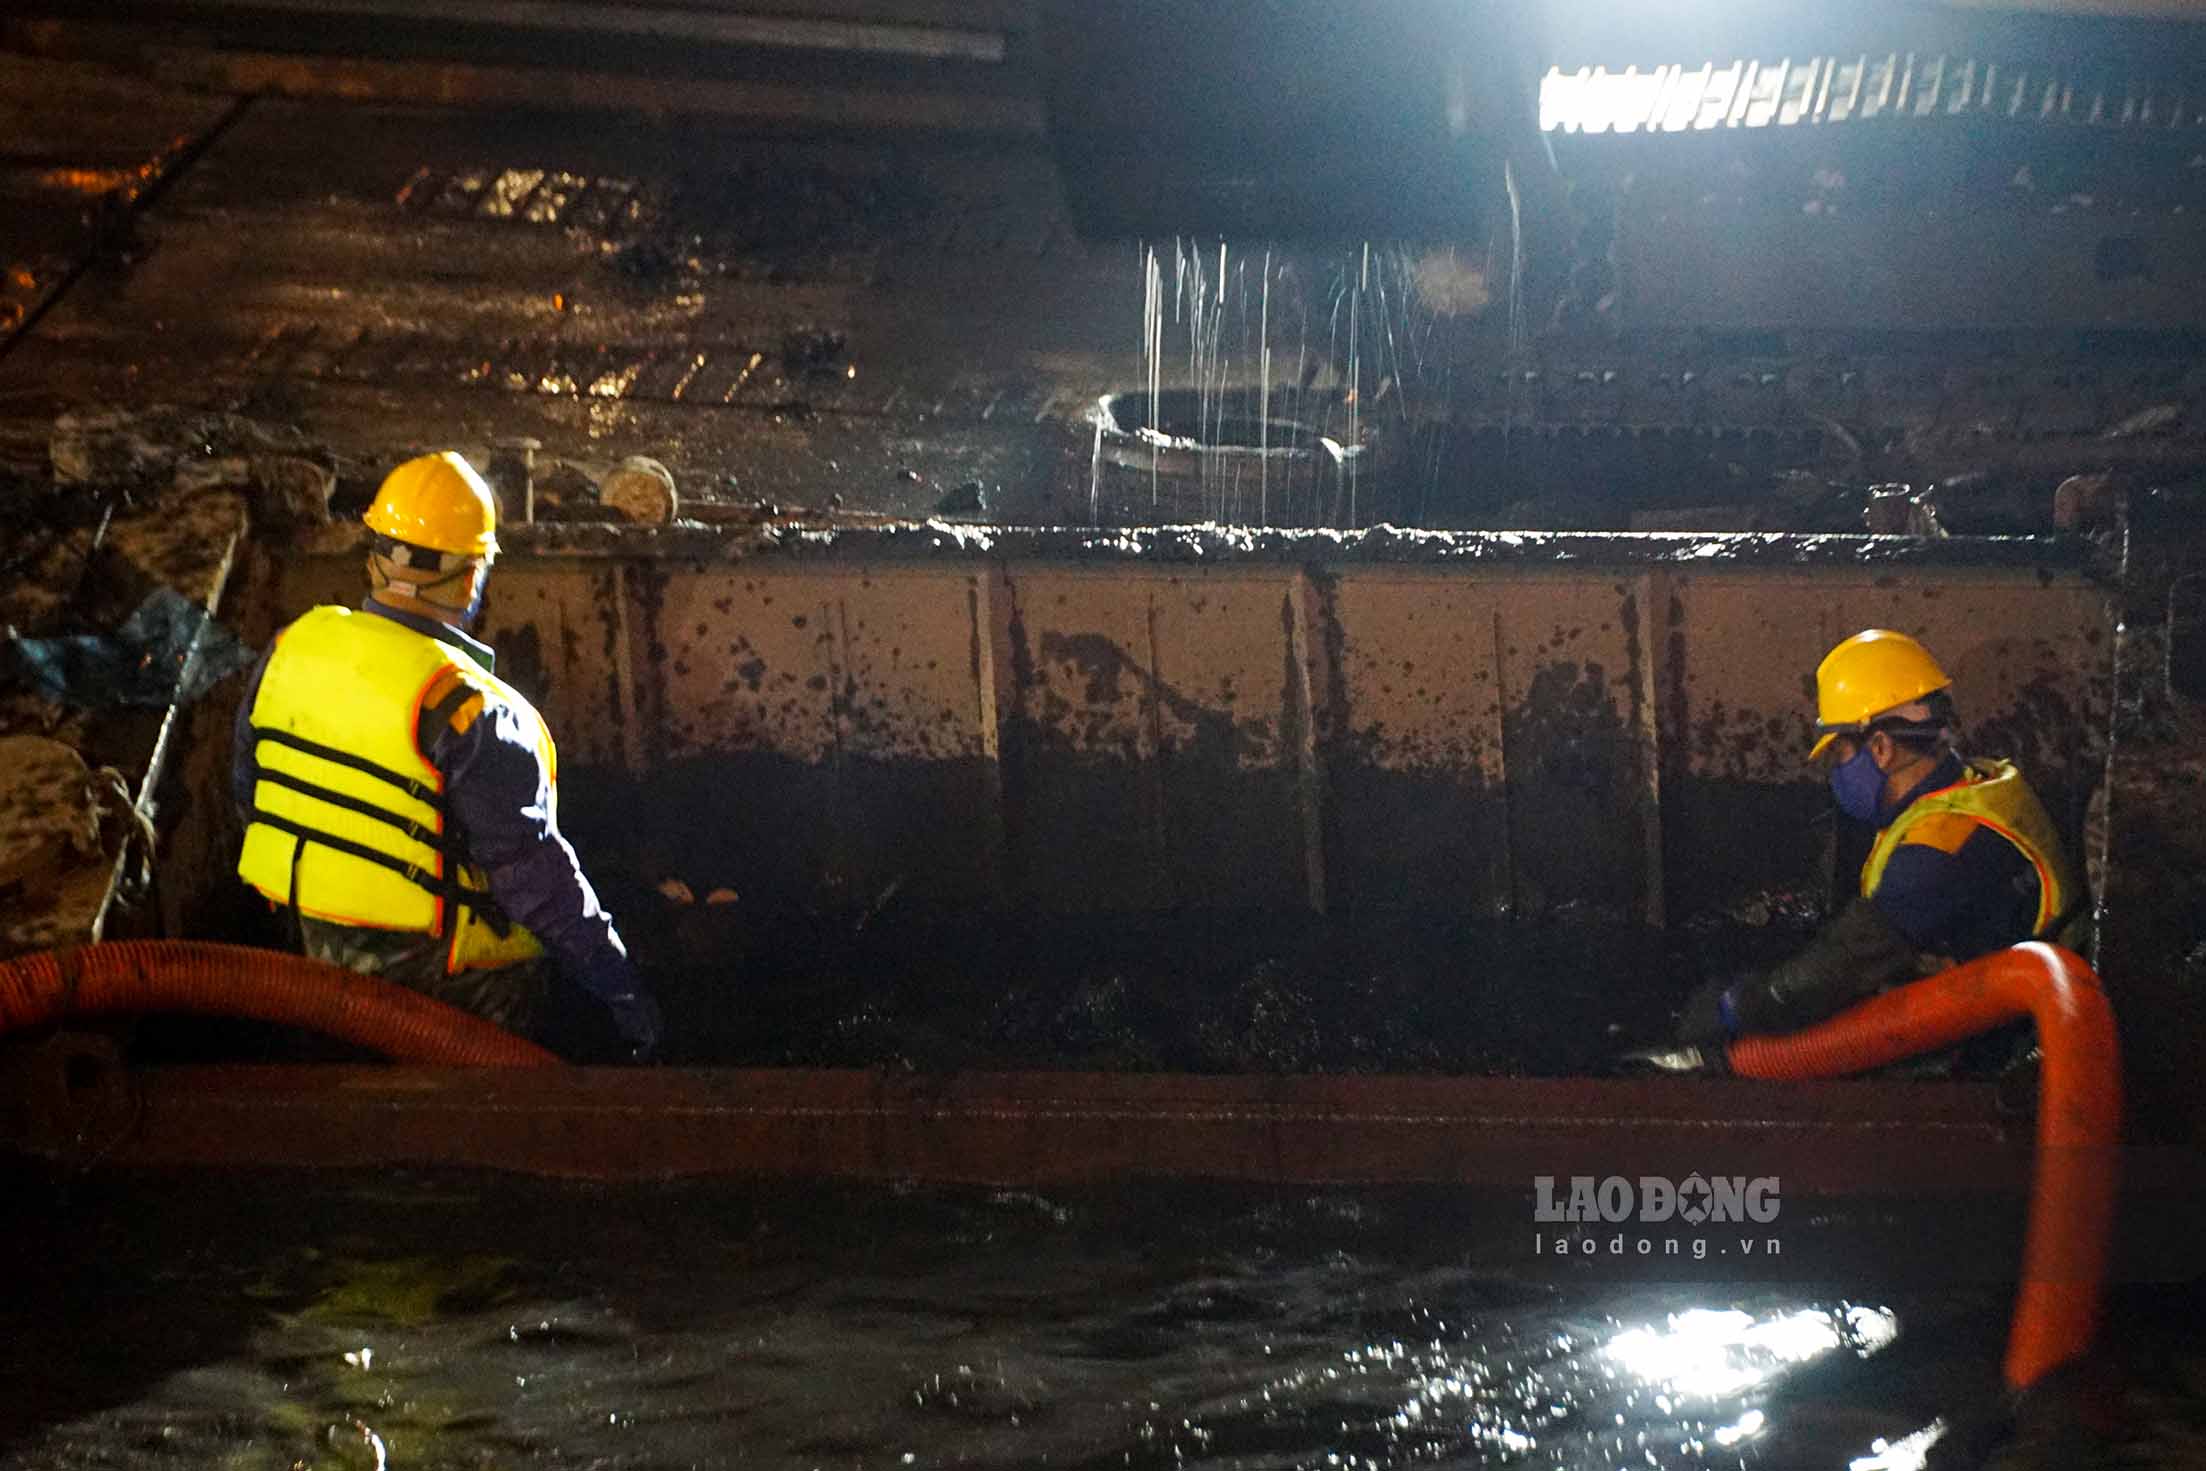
[(2079, 1117), (259, 985)]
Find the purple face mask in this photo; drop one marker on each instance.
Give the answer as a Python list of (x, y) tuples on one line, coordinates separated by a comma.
[(1858, 786)]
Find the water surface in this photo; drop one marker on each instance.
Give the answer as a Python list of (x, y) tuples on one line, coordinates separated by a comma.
[(282, 1320)]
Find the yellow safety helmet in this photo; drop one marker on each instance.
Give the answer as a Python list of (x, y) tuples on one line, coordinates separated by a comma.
[(439, 502), (1874, 671)]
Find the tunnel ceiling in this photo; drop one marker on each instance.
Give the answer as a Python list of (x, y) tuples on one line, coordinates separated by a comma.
[(1907, 247)]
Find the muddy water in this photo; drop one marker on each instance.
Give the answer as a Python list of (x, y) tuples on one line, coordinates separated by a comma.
[(446, 1321), (411, 1320)]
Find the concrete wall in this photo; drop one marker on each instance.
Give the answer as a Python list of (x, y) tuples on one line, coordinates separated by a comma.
[(1497, 735)]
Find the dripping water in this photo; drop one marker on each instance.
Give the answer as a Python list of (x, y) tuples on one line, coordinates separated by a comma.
[(1232, 432)]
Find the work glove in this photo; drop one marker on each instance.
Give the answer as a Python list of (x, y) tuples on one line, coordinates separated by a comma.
[(1857, 953), (1707, 1020), (637, 1018)]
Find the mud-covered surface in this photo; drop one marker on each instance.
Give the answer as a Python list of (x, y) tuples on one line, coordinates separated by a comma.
[(837, 976), (272, 1320), (87, 556), (905, 324), (775, 937), (936, 539), (883, 984), (1040, 817), (890, 326)]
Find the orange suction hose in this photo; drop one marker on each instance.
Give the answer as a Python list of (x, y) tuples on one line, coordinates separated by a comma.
[(2079, 1117), (260, 985)]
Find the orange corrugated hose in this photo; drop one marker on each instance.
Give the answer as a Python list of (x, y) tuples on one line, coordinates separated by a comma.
[(2079, 1117), (260, 985)]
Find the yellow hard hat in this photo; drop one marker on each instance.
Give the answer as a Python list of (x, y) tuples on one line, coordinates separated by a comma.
[(439, 502), (1874, 671)]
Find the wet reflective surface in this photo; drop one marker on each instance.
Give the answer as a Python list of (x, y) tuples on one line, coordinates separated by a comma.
[(417, 1320)]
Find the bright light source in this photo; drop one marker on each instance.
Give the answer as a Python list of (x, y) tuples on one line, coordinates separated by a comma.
[(1713, 1354), (1740, 93)]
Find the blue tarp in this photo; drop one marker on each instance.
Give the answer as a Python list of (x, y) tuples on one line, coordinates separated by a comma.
[(167, 652)]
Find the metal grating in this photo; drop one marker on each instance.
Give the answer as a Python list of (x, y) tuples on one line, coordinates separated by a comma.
[(1836, 89), (605, 207)]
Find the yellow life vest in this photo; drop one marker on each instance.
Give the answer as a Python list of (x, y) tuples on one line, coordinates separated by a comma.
[(1993, 794), (350, 822)]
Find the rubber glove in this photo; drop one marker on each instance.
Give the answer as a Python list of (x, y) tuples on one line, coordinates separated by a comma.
[(1708, 1019), (637, 1017)]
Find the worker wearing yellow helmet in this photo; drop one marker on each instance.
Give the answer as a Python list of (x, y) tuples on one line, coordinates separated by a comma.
[(1965, 859), (402, 800)]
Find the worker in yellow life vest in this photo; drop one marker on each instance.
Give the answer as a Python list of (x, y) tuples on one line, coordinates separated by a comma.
[(402, 800), (1966, 861)]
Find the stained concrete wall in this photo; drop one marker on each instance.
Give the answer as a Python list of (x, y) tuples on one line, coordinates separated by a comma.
[(1611, 735)]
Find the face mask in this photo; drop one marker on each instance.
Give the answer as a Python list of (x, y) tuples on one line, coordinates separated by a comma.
[(474, 607), (1858, 786)]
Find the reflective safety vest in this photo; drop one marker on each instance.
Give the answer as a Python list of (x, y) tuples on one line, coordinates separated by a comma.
[(1993, 794), (350, 823)]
